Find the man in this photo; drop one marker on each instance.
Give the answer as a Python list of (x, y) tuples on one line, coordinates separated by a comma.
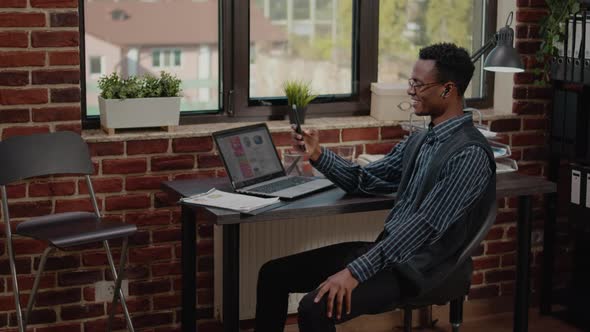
[(444, 177)]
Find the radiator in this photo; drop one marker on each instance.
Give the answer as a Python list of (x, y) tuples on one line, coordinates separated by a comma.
[(263, 241)]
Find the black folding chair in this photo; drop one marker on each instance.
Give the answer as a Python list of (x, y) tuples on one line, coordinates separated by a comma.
[(23, 157)]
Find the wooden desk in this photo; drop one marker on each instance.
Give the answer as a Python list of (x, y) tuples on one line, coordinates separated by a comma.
[(333, 202)]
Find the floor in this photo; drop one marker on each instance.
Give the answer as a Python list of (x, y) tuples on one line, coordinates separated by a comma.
[(495, 323)]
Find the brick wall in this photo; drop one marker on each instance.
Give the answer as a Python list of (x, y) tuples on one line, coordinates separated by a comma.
[(39, 92)]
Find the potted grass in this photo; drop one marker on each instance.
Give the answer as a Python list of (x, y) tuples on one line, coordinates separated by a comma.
[(299, 94), (137, 102)]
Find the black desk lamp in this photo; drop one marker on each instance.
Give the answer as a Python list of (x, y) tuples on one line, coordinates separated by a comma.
[(503, 57)]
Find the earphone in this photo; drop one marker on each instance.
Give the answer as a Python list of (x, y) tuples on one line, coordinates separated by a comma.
[(446, 91)]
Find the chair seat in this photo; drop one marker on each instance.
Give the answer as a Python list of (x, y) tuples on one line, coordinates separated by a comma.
[(73, 228)]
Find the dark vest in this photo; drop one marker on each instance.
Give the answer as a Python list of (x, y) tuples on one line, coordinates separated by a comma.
[(432, 264)]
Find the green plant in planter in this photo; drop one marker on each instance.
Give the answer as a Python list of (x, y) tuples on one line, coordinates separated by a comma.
[(298, 93), (148, 86), (553, 32)]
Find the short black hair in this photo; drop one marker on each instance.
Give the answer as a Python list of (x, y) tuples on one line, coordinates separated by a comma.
[(452, 62)]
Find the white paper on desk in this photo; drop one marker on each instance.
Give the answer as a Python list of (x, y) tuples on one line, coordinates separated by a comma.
[(231, 201), (575, 194)]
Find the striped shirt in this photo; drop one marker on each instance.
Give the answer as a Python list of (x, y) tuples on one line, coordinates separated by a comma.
[(407, 228)]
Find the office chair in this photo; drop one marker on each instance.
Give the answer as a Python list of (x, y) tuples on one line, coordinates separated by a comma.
[(454, 287), (23, 157)]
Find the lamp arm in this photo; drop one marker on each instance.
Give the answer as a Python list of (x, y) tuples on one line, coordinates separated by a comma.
[(488, 46)]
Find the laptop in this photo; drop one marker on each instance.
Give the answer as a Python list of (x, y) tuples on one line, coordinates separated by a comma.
[(253, 165)]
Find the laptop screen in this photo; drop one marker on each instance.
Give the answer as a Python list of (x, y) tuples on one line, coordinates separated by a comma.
[(249, 155)]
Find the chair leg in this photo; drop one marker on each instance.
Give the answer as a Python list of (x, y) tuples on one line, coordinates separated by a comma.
[(33, 295), (19, 314), (118, 293), (456, 313), (407, 320)]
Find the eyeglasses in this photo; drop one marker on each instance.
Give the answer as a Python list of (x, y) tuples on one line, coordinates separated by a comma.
[(416, 86)]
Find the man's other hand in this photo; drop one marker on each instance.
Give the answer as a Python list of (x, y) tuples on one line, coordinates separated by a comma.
[(339, 289)]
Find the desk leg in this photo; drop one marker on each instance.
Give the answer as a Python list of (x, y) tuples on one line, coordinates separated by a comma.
[(548, 253), (231, 277), (521, 303), (189, 270)]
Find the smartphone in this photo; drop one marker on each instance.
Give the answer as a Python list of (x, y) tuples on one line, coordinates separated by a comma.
[(297, 124)]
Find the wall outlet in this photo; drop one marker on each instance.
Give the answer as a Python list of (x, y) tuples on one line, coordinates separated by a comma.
[(103, 290)]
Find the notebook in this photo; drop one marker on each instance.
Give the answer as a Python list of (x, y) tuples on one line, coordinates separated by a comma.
[(253, 165)]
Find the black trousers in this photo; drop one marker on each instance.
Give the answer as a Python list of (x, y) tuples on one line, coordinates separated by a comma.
[(303, 273)]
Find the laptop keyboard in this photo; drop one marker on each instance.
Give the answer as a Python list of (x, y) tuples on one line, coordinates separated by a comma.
[(280, 185)]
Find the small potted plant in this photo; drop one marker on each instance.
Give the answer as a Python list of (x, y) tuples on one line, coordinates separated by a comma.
[(136, 102), (299, 94)]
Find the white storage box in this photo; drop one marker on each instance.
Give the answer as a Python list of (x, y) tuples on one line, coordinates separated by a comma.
[(385, 98)]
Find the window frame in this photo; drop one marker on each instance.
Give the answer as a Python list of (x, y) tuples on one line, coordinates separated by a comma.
[(234, 63)]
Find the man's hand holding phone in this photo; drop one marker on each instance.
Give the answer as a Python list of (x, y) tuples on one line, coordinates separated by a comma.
[(306, 140)]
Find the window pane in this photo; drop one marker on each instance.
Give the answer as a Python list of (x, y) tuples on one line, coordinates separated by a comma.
[(301, 9), (299, 49), (324, 9), (278, 9), (407, 26), (95, 65), (124, 33)]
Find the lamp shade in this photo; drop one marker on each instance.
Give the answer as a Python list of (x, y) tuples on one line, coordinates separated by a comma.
[(504, 58)]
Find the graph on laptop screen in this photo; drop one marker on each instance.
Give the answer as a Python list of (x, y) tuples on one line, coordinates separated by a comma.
[(249, 155)]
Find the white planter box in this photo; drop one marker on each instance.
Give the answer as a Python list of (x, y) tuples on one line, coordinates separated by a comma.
[(139, 112)]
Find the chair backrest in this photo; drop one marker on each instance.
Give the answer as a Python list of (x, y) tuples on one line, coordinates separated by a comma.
[(481, 234), (23, 157)]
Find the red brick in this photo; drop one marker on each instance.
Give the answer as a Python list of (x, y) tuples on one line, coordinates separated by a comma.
[(55, 38), (486, 263), (134, 305), (154, 319), (526, 139), (147, 146), (14, 115), (530, 15), (500, 247), (74, 127), (162, 302), (149, 287), (56, 76), (67, 19), (40, 189), (198, 174), (496, 276), (484, 292), (23, 96), (23, 266), (73, 205), (379, 148), (38, 316), (29, 209), (539, 153), (525, 78), (282, 139), (392, 132), (57, 297), (22, 59), (145, 182), (330, 136), (148, 219), (82, 311), (149, 254), (528, 107), (27, 246), (538, 3), (166, 269), (166, 235), (25, 283), (521, 31), (13, 4), (54, 3), (73, 327), (14, 39), (360, 134), (14, 78), (106, 148), (205, 231), (164, 200), (101, 325), (496, 233), (509, 260), (124, 166), (527, 47), (535, 124), (16, 191), (192, 144), (172, 163), (53, 114), (476, 278), (66, 95), (64, 58), (102, 185), (76, 278), (209, 161), (503, 125), (522, 3), (59, 262), (127, 202), (22, 20)]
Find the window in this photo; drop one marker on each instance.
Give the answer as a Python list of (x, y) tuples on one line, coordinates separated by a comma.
[(96, 66), (340, 46), (137, 37), (406, 26)]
